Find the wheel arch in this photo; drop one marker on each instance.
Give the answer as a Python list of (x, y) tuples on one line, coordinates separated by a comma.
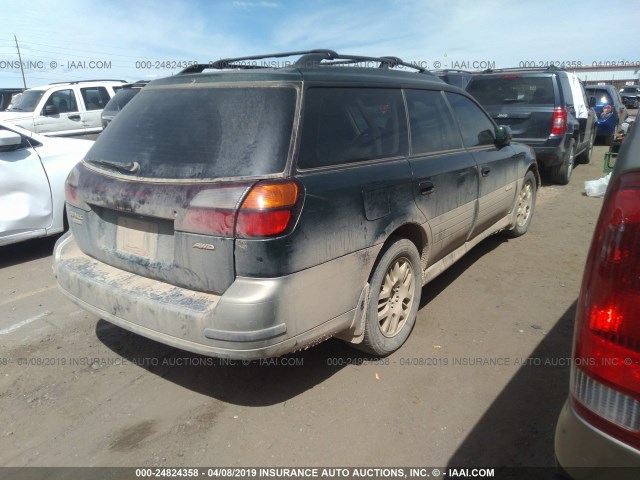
[(417, 235)]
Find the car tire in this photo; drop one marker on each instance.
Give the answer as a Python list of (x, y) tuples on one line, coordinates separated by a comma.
[(561, 174), (585, 157), (394, 298), (525, 205)]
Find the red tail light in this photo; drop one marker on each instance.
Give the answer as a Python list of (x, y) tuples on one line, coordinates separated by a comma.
[(267, 209), (606, 380), (263, 209), (71, 190), (559, 121)]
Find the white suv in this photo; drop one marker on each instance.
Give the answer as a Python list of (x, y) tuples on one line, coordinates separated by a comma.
[(69, 108)]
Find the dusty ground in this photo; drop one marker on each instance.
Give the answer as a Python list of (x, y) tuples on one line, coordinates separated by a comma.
[(92, 394)]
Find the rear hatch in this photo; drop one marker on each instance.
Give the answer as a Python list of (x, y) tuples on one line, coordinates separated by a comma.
[(524, 102), (158, 193)]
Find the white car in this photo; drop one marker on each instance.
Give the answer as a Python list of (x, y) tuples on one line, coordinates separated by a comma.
[(59, 109), (33, 170)]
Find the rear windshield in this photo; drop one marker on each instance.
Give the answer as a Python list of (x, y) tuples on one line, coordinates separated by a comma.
[(630, 90), (120, 99), (602, 96), (198, 133), (512, 90)]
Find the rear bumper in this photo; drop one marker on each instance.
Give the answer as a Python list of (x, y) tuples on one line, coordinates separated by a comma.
[(254, 318), (584, 452), (551, 151)]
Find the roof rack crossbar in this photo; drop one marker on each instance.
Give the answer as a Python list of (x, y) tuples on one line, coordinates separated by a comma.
[(550, 68), (228, 62), (308, 58), (74, 82)]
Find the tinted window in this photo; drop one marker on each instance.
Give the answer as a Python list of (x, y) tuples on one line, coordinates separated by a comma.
[(64, 100), (512, 89), (566, 89), (120, 99), (95, 98), (343, 125), (431, 125), (201, 132), (602, 96), (476, 127)]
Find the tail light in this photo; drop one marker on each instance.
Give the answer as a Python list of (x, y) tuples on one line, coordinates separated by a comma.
[(559, 121), (243, 210), (606, 373), (607, 111), (71, 190)]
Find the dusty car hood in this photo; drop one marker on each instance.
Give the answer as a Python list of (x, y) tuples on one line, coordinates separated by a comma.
[(13, 116)]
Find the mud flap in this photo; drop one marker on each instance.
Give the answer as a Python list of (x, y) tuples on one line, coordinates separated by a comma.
[(355, 333)]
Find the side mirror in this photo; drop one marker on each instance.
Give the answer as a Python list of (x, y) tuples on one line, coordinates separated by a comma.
[(9, 140), (592, 101), (503, 135), (51, 110)]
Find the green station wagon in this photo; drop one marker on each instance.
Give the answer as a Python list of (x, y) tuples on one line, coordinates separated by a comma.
[(247, 212)]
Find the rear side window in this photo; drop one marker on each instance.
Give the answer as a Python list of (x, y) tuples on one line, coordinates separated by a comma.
[(95, 98), (477, 129), (346, 125), (194, 133), (431, 125), (512, 89)]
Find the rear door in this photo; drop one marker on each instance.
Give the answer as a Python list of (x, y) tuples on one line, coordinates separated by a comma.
[(496, 165), (445, 175), (94, 100)]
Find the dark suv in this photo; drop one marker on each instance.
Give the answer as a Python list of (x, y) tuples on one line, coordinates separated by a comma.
[(631, 96), (123, 95), (256, 211), (6, 94), (546, 109)]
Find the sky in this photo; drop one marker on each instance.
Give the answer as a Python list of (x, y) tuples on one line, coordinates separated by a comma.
[(67, 40)]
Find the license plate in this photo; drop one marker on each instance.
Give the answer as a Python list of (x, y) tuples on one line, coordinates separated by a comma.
[(137, 237)]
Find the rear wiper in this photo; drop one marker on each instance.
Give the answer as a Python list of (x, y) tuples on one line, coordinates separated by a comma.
[(133, 167)]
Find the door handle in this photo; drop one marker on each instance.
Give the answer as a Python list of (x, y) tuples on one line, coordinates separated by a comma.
[(485, 171), (74, 117), (426, 187)]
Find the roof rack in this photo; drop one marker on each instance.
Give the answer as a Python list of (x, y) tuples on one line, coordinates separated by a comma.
[(550, 68), (450, 70), (307, 58), (74, 82)]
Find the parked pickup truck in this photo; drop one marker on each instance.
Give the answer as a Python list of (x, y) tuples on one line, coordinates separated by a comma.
[(60, 109)]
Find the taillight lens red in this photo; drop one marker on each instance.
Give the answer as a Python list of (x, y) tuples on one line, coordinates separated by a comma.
[(263, 209), (607, 336), (559, 121), (267, 209), (71, 190)]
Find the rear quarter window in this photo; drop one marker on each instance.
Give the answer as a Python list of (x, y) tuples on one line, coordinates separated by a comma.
[(347, 125), (202, 133)]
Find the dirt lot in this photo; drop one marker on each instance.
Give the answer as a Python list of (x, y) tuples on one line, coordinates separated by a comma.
[(479, 383)]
